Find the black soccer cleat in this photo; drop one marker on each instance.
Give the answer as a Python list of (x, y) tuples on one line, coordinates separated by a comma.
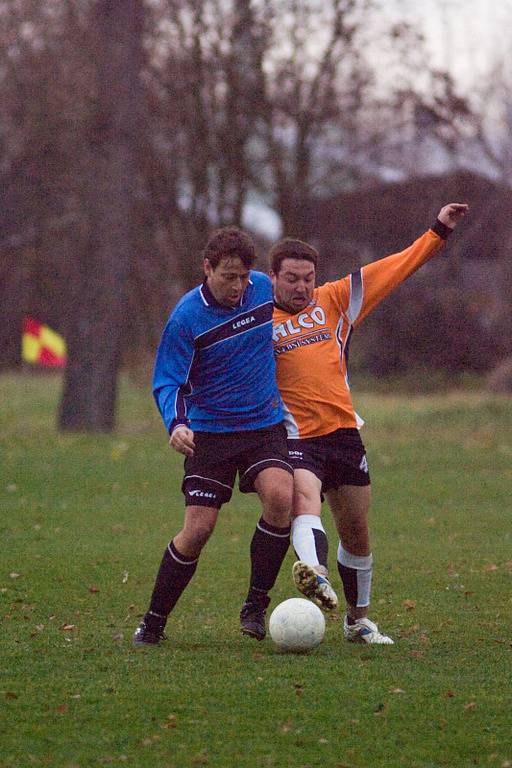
[(252, 619), (143, 635)]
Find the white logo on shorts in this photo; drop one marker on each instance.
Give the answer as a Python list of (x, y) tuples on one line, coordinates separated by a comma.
[(364, 464), (204, 494)]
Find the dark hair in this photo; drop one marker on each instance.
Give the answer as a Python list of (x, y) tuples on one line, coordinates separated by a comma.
[(288, 248), (229, 243)]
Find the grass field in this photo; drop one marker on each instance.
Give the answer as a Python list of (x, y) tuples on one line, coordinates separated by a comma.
[(85, 520)]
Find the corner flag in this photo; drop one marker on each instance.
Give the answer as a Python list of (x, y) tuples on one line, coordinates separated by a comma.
[(42, 346)]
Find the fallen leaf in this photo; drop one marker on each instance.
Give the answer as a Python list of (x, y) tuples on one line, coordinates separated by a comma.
[(470, 705), (416, 654), (14, 575), (449, 694), (94, 589), (11, 695), (396, 690), (491, 567), (285, 727), (62, 709), (170, 722), (67, 627), (409, 605), (125, 577)]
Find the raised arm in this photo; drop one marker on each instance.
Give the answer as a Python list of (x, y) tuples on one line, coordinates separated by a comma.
[(375, 281)]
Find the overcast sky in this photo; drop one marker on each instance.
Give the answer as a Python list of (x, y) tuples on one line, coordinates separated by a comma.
[(466, 36)]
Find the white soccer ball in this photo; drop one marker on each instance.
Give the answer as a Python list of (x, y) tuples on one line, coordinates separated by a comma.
[(296, 625)]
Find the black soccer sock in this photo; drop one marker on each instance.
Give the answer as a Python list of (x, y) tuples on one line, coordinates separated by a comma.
[(356, 575), (174, 574), (269, 546)]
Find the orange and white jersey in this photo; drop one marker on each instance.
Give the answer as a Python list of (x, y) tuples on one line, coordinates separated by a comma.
[(311, 347)]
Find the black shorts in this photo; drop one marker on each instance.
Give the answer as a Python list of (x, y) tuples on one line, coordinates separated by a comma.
[(337, 459), (211, 472)]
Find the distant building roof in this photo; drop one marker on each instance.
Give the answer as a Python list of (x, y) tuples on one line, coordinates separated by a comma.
[(358, 227)]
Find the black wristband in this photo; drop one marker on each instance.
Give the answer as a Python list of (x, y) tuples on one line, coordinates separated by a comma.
[(441, 229)]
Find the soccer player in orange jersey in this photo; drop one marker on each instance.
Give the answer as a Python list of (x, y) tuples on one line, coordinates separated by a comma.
[(312, 331)]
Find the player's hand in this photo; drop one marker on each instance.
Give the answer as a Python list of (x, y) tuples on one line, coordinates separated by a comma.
[(451, 214), (182, 440)]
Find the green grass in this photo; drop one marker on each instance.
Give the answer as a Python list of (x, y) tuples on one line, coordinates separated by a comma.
[(84, 523)]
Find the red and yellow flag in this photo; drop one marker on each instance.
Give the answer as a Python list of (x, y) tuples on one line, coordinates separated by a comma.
[(42, 346)]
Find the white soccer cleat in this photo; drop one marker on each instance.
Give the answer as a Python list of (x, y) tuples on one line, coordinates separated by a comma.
[(314, 586), (365, 631)]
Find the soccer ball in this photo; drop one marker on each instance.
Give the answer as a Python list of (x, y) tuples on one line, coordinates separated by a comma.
[(296, 625)]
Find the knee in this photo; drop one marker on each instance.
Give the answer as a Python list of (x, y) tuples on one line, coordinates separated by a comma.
[(356, 539), (277, 506), (197, 533)]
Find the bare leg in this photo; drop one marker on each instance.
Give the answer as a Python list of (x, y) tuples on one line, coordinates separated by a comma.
[(197, 528), (350, 506)]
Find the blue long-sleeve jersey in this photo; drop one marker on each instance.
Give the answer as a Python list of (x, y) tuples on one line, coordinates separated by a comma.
[(215, 369)]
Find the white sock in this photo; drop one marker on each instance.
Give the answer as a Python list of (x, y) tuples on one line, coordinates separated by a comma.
[(309, 540), (356, 574)]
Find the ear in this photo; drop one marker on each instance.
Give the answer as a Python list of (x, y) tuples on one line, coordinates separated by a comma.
[(207, 267)]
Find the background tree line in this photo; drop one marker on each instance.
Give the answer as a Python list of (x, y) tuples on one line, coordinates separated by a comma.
[(130, 129)]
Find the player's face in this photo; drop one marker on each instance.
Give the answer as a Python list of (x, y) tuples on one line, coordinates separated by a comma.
[(227, 281), (294, 284)]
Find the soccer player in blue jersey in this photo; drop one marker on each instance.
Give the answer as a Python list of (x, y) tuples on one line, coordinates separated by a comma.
[(215, 387)]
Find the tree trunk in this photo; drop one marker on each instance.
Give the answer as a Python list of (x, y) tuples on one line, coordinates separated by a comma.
[(95, 339), (13, 292)]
